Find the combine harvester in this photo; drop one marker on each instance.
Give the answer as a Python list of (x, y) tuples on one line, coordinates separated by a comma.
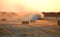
[(32, 18)]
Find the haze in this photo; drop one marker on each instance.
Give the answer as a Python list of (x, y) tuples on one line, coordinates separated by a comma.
[(30, 5)]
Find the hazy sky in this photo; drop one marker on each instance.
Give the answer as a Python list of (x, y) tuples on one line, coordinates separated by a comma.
[(30, 5)]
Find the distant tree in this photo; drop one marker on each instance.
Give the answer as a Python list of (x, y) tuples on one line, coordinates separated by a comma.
[(58, 14), (4, 13)]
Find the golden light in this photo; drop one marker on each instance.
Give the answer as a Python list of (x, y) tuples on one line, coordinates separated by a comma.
[(30, 5)]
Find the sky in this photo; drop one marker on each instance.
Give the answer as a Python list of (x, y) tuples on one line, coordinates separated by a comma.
[(30, 5)]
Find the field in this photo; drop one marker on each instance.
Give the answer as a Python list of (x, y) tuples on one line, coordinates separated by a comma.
[(29, 30)]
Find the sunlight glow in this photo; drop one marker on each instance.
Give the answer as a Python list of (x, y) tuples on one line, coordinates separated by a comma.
[(30, 5)]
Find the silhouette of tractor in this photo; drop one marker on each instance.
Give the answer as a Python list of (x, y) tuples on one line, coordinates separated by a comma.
[(32, 19)]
